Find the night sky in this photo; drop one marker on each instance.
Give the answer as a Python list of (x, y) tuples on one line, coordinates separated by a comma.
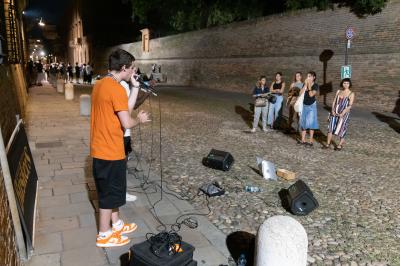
[(50, 10)]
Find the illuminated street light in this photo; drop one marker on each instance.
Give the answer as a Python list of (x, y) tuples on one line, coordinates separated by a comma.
[(38, 40), (42, 53), (41, 23), (35, 45)]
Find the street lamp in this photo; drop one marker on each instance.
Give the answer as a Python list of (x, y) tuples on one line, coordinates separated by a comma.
[(41, 23)]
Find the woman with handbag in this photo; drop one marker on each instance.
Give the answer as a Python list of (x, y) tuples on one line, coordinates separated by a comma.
[(309, 118), (261, 104), (277, 88), (339, 116), (293, 94)]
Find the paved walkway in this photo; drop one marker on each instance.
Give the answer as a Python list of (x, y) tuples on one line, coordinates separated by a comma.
[(66, 221)]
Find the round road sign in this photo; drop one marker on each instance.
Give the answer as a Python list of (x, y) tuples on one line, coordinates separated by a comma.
[(350, 33)]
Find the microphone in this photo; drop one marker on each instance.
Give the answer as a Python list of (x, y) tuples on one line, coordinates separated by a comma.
[(145, 86)]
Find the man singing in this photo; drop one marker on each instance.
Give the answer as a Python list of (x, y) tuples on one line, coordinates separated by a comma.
[(111, 113)]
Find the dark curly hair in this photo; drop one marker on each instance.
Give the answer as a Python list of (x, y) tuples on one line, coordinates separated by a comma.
[(345, 80)]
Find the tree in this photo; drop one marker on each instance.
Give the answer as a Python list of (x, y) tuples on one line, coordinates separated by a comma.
[(173, 16)]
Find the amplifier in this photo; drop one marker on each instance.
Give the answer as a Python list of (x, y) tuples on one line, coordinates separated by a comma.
[(220, 160), (141, 255)]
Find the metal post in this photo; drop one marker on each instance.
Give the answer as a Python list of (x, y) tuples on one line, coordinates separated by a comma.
[(12, 201), (346, 55)]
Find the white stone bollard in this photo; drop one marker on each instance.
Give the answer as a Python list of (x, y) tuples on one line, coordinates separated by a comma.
[(69, 91), (60, 86), (281, 241), (85, 104)]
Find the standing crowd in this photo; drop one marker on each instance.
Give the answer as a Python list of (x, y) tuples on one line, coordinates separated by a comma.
[(38, 72), (302, 106)]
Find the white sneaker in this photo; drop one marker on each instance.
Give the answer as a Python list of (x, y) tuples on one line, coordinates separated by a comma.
[(253, 130), (266, 130), (130, 197)]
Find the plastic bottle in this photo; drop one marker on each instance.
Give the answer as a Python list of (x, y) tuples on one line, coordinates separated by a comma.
[(242, 260), (252, 189)]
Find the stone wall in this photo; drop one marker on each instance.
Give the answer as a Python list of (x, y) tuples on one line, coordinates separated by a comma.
[(231, 57)]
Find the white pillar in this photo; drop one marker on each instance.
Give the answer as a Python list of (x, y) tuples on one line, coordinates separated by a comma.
[(60, 85), (85, 104), (69, 91), (281, 241)]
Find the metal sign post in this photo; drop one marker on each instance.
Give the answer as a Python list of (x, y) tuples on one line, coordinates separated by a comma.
[(345, 71), (349, 36)]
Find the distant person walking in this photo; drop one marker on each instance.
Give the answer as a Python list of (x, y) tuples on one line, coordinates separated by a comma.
[(293, 94), (89, 71), (77, 72), (277, 88), (261, 104), (70, 72), (39, 69), (84, 73), (309, 117), (339, 116)]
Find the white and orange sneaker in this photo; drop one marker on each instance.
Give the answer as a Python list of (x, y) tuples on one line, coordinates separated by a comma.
[(113, 240), (123, 228)]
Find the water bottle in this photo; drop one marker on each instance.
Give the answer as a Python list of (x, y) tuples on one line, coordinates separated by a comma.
[(242, 260), (252, 189)]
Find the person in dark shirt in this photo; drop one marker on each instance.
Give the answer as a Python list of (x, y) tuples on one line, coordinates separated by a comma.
[(39, 69), (70, 72), (259, 93), (277, 88), (309, 118), (77, 72)]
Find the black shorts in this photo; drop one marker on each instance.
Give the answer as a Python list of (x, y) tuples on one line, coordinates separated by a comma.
[(127, 145), (110, 179)]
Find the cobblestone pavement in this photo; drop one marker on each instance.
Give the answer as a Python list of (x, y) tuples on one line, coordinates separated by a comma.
[(66, 224), (358, 220)]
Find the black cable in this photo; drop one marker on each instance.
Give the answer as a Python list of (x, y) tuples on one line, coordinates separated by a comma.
[(189, 221)]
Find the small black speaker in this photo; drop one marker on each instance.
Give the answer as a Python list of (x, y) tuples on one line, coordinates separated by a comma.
[(220, 160), (300, 199)]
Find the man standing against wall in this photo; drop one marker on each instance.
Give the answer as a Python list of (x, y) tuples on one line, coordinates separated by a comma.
[(111, 113)]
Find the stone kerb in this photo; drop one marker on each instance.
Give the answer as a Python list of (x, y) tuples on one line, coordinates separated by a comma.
[(281, 241), (60, 85), (69, 91), (85, 104)]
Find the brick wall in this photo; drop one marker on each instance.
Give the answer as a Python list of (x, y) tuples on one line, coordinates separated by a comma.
[(8, 255), (231, 57), (13, 99), (9, 105)]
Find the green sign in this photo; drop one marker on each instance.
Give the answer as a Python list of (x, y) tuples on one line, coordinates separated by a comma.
[(345, 72)]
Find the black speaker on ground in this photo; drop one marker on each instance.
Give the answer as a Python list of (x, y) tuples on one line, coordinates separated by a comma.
[(142, 255), (220, 160), (298, 199)]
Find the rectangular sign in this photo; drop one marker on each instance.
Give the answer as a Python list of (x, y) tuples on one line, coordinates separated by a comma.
[(25, 180), (345, 72)]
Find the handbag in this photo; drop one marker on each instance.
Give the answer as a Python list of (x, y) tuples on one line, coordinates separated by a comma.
[(260, 102), (272, 98), (298, 106)]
